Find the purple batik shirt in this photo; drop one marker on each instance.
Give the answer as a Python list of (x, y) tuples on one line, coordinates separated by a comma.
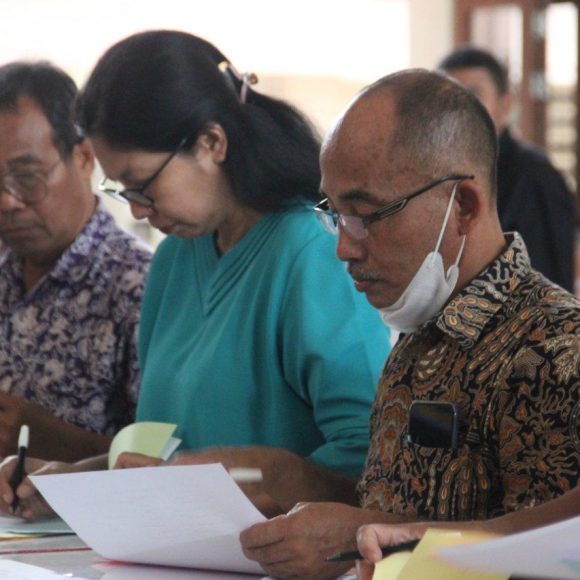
[(70, 343)]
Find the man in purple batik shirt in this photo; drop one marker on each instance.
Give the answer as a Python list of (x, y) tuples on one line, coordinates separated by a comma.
[(71, 280)]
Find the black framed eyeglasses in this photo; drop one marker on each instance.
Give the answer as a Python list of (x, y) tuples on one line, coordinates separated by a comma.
[(357, 226), (137, 194), (28, 186)]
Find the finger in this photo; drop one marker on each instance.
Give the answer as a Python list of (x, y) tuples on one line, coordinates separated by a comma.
[(35, 508), (263, 534), (6, 491), (272, 554), (364, 570), (389, 535), (369, 544), (370, 538), (26, 489), (129, 460)]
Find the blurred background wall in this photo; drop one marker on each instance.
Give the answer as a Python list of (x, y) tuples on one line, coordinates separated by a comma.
[(319, 53)]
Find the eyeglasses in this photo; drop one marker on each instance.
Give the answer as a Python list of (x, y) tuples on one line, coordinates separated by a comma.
[(137, 194), (357, 226), (29, 187)]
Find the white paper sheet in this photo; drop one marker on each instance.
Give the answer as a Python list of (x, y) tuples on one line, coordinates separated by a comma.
[(188, 516), (137, 572), (11, 570), (548, 552)]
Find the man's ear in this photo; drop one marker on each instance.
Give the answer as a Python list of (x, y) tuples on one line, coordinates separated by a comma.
[(214, 142), (84, 158), (472, 200)]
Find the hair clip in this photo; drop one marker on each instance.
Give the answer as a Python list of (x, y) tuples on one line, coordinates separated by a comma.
[(246, 79), (80, 134)]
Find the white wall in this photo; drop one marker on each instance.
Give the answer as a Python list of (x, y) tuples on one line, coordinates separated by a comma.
[(431, 31), (315, 53)]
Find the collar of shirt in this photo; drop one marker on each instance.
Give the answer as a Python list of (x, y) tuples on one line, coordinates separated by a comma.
[(467, 314), (74, 263)]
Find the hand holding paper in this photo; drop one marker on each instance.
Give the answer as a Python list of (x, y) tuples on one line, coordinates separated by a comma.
[(146, 438), (187, 516)]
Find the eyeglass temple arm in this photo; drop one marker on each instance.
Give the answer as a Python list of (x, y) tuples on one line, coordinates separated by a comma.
[(399, 204)]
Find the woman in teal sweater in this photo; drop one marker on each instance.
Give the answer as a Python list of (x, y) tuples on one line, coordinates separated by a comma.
[(269, 345), (252, 336)]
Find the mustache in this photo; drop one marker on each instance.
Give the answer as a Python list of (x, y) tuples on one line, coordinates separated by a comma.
[(361, 275)]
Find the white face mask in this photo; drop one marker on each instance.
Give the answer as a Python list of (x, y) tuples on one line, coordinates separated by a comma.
[(429, 289)]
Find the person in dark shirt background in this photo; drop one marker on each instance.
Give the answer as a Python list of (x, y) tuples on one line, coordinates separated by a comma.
[(533, 198)]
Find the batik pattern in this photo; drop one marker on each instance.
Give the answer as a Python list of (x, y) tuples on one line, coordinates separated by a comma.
[(506, 349), (69, 344)]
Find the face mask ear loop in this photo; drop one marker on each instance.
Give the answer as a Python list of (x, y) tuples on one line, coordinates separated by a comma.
[(460, 251), (445, 220)]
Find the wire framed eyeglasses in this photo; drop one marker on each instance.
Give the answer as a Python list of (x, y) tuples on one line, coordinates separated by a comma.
[(28, 186), (357, 226), (137, 194)]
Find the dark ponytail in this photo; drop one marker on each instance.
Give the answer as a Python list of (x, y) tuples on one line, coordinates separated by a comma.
[(152, 89)]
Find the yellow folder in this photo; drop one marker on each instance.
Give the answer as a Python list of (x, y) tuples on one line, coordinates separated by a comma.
[(147, 437), (421, 564)]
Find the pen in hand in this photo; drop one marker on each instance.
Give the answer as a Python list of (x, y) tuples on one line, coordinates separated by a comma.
[(386, 550), (19, 472)]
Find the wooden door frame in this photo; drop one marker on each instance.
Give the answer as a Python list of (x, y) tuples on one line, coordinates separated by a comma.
[(533, 120), (533, 93)]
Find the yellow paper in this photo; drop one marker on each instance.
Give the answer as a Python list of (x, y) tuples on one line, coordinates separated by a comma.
[(146, 437), (421, 564), (390, 567)]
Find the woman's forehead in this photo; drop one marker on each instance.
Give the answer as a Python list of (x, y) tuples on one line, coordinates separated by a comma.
[(124, 164)]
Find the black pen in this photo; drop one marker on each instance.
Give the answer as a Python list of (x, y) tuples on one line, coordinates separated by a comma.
[(19, 472), (386, 550)]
